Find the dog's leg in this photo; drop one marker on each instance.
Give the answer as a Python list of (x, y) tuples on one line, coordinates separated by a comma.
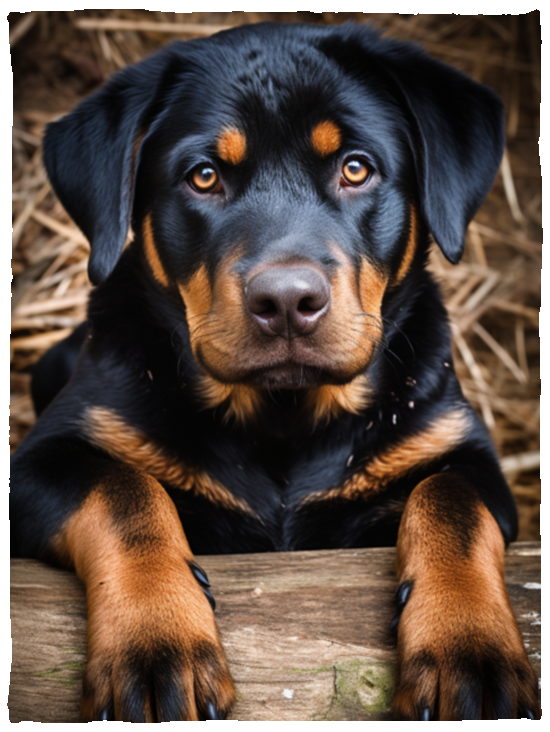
[(153, 647), (460, 652)]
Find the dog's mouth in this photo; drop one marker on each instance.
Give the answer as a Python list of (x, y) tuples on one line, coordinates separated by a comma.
[(286, 327), (290, 375), (321, 392), (276, 363)]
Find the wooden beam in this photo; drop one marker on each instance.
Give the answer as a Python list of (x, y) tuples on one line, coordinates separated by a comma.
[(306, 633), (148, 26)]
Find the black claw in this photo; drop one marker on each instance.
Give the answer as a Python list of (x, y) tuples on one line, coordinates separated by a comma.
[(394, 623), (104, 716), (202, 579), (403, 593), (426, 715), (212, 713), (200, 574), (529, 714), (401, 598), (209, 597)]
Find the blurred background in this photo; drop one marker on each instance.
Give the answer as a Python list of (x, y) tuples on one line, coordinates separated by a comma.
[(493, 295)]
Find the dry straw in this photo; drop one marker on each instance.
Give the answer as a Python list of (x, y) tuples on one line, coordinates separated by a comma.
[(493, 295)]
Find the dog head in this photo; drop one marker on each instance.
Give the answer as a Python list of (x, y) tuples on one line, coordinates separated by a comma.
[(281, 179)]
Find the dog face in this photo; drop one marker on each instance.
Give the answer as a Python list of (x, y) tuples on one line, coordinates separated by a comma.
[(280, 181), (268, 212)]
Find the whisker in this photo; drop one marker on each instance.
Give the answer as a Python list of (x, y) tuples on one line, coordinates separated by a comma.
[(401, 332)]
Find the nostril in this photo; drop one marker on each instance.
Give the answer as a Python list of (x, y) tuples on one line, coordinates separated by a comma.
[(305, 307), (310, 305), (263, 307)]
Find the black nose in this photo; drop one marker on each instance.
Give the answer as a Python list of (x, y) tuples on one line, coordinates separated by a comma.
[(288, 301)]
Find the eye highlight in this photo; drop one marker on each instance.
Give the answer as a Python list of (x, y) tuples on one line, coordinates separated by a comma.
[(354, 172), (205, 179)]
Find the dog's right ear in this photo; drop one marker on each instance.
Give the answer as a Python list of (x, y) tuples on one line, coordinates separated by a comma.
[(91, 155)]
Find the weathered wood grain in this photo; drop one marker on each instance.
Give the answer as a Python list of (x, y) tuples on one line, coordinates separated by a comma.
[(307, 633)]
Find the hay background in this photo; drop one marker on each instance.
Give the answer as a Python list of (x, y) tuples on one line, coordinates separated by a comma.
[(493, 295)]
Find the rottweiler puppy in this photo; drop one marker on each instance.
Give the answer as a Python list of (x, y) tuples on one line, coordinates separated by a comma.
[(267, 365)]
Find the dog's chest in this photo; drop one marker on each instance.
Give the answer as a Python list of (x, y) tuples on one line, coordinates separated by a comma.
[(283, 502)]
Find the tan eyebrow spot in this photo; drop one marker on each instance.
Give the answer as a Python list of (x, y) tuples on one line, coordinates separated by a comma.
[(232, 146), (326, 138)]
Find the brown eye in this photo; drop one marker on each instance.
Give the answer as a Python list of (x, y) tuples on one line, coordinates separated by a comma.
[(354, 173), (204, 179)]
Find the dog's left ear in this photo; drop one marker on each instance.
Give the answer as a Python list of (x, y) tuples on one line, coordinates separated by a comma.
[(456, 129)]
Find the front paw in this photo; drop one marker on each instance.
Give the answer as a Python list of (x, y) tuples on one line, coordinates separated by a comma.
[(153, 651), (461, 658)]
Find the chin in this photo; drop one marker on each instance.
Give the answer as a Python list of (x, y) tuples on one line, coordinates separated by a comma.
[(294, 376)]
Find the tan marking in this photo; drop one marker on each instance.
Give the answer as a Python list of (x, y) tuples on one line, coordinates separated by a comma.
[(108, 431), (402, 458), (151, 252), (459, 604), (354, 325), (137, 145), (216, 317), (197, 297), (328, 402), (241, 402), (232, 146), (140, 596), (227, 345), (326, 138), (410, 250), (426, 543), (91, 524), (372, 286)]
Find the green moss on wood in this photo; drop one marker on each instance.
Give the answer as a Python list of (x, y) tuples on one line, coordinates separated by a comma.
[(363, 689)]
